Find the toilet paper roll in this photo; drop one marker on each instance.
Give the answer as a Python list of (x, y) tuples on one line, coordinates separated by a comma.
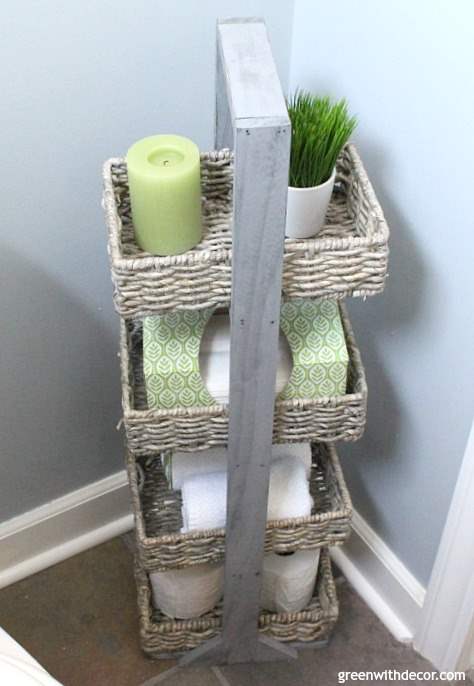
[(179, 466), (189, 592), (288, 580), (204, 501), (288, 490), (301, 451), (204, 496)]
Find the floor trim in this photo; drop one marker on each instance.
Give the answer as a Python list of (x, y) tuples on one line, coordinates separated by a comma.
[(382, 580), (64, 527)]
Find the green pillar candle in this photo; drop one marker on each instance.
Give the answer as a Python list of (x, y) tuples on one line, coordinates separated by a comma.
[(164, 176)]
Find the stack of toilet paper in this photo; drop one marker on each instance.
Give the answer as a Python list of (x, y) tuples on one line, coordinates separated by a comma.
[(179, 466), (287, 585), (287, 580), (204, 494)]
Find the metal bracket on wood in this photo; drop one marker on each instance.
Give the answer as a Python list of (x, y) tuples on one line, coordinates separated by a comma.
[(251, 118)]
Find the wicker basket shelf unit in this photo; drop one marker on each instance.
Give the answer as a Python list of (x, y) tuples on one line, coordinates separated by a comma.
[(164, 637), (157, 511), (149, 431), (348, 258)]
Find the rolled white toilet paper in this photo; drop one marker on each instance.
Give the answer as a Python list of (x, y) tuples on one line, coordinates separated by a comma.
[(288, 490), (189, 592), (181, 465), (301, 451), (288, 580), (178, 466), (204, 496)]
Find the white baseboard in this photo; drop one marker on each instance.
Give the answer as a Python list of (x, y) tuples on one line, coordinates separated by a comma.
[(382, 580), (64, 527)]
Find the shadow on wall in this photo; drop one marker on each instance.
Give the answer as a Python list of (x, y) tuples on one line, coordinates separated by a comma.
[(378, 323), (60, 390)]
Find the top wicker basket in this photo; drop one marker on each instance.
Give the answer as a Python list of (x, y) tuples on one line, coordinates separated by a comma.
[(348, 258)]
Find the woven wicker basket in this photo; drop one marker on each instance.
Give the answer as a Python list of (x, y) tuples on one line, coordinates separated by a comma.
[(348, 258), (162, 636), (150, 431), (157, 510)]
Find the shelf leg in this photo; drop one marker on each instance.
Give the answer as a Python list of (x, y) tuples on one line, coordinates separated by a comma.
[(249, 94)]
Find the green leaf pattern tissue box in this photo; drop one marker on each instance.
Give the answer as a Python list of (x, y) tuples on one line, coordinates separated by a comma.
[(171, 345), (314, 331), (315, 335)]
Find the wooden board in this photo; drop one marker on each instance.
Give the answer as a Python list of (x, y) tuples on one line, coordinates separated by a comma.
[(252, 85), (250, 114), (260, 178)]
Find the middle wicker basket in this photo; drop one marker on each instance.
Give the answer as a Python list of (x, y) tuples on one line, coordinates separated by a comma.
[(157, 510), (149, 431)]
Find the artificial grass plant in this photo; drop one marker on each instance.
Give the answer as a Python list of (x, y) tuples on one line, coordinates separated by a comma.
[(320, 129)]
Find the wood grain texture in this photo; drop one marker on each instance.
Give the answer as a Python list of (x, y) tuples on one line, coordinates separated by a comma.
[(259, 211), (248, 94), (252, 83), (262, 145)]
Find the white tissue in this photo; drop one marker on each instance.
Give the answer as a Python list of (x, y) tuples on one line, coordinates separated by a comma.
[(288, 580), (215, 460), (288, 492), (214, 359), (189, 592), (302, 451), (204, 501), (201, 462), (204, 496)]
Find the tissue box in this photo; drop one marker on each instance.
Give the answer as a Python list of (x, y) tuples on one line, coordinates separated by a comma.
[(315, 334), (171, 343)]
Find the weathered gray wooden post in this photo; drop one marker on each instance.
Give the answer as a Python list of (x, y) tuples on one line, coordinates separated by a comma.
[(251, 117)]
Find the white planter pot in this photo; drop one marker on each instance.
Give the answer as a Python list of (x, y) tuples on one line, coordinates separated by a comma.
[(306, 209)]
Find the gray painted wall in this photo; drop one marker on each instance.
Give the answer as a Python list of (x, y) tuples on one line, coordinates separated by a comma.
[(81, 82), (406, 69)]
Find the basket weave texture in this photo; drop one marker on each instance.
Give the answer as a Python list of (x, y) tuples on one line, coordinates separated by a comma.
[(149, 431), (157, 510), (161, 636), (348, 257)]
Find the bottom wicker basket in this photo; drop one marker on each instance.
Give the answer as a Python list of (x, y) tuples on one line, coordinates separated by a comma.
[(162, 636)]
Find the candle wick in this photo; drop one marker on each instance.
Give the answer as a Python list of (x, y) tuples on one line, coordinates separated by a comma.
[(165, 162)]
